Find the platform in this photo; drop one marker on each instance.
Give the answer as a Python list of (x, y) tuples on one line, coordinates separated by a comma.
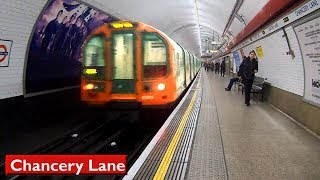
[(212, 134)]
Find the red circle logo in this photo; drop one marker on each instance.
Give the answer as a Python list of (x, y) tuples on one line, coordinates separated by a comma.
[(3, 52)]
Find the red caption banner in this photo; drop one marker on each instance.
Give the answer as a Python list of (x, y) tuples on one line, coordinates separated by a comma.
[(66, 164)]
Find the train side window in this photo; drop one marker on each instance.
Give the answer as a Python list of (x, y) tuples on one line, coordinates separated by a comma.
[(154, 56), (94, 52)]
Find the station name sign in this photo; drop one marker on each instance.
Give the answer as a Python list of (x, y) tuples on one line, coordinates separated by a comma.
[(305, 9), (66, 164)]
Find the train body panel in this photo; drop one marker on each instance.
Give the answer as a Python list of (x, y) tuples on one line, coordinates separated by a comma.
[(133, 63)]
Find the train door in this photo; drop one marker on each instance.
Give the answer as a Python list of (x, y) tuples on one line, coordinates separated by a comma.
[(180, 75), (194, 65), (187, 65), (123, 71), (191, 66), (183, 66)]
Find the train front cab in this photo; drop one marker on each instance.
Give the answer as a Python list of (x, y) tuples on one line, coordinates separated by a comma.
[(129, 65)]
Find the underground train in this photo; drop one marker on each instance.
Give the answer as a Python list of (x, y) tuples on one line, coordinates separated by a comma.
[(132, 62)]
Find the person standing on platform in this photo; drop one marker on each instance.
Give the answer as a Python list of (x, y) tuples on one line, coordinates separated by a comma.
[(217, 66), (248, 68), (223, 68), (212, 66)]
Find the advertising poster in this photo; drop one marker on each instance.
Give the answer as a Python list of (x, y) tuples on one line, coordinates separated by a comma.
[(54, 52), (259, 51), (237, 59), (5, 49), (308, 35)]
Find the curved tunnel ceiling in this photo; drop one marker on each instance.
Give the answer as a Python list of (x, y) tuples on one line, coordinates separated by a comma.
[(188, 22), (194, 24)]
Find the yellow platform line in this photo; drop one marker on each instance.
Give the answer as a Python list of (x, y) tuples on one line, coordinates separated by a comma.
[(164, 165)]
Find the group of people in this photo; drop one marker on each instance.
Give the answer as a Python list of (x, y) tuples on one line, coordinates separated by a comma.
[(63, 36), (246, 74), (216, 67)]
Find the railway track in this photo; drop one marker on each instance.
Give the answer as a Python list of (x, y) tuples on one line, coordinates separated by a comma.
[(95, 137)]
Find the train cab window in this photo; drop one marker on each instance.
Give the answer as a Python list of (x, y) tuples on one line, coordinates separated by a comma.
[(123, 55), (94, 52), (154, 56)]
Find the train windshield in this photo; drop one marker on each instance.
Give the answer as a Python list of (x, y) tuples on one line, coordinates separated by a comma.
[(154, 56), (123, 55), (94, 52)]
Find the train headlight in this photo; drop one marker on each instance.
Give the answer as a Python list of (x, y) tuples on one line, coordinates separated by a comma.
[(88, 87), (161, 86), (90, 71)]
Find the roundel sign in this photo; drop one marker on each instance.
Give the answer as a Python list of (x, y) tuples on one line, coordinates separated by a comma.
[(5, 47), (3, 52)]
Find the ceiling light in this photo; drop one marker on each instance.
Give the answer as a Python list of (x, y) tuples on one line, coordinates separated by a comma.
[(214, 43)]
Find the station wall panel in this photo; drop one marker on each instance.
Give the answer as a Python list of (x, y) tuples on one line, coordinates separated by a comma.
[(17, 20), (279, 68)]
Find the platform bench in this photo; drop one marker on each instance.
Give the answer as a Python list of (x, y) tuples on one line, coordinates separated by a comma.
[(257, 86)]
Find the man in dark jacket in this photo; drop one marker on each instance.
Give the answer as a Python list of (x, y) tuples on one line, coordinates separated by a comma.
[(248, 68), (217, 67)]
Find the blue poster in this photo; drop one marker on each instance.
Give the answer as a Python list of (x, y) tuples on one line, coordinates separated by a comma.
[(237, 59), (54, 53)]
